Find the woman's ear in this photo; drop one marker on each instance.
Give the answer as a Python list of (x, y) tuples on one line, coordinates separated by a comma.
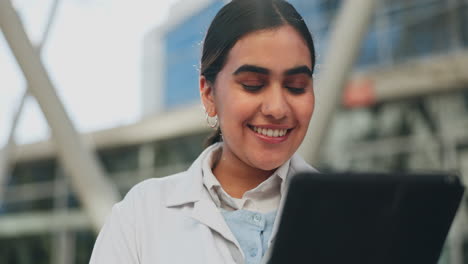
[(207, 96)]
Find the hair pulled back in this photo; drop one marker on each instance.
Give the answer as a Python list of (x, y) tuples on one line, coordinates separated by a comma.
[(237, 19)]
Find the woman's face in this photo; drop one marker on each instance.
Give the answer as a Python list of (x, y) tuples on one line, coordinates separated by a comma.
[(263, 97)]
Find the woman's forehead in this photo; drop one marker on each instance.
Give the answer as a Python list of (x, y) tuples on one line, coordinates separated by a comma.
[(276, 49)]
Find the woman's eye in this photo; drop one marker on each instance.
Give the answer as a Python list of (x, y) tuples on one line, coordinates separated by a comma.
[(295, 90), (297, 85), (252, 88)]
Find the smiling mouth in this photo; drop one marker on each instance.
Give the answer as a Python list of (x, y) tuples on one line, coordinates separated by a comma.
[(270, 132)]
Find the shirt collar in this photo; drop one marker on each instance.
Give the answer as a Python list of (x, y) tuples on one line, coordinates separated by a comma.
[(188, 186), (218, 194)]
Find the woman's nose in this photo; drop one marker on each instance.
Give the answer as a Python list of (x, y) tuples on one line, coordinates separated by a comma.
[(274, 103)]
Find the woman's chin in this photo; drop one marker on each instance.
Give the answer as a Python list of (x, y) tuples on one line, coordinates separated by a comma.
[(268, 164)]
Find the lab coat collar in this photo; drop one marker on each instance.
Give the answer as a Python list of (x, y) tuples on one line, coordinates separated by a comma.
[(190, 189)]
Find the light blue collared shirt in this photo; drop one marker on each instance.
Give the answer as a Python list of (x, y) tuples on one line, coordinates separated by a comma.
[(252, 230)]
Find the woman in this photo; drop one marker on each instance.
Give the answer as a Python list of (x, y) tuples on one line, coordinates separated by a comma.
[(256, 87)]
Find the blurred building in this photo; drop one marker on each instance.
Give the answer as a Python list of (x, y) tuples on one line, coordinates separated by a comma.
[(405, 108)]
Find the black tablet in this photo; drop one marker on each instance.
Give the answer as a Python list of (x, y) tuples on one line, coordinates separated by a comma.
[(366, 218)]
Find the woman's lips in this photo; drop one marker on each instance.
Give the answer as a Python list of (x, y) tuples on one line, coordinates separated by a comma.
[(271, 134)]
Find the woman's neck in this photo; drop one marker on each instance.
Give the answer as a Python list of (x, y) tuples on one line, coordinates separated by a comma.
[(235, 176)]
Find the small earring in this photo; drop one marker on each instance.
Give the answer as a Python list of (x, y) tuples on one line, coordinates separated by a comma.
[(210, 123)]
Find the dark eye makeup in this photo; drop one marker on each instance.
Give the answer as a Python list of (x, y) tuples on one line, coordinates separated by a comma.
[(294, 84), (297, 84), (252, 88), (256, 88), (295, 90)]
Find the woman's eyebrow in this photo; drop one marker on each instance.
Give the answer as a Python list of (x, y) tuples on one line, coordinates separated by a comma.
[(251, 68), (257, 69), (299, 70)]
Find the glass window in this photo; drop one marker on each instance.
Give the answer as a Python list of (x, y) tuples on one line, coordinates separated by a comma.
[(419, 29), (43, 204), (368, 51), (26, 250), (84, 246), (120, 159), (38, 171), (181, 150), (463, 16), (33, 171), (183, 55)]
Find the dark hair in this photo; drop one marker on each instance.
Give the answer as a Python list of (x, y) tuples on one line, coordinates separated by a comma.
[(237, 19)]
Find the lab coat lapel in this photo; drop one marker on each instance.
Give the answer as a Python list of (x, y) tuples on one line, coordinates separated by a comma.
[(206, 212), (190, 190)]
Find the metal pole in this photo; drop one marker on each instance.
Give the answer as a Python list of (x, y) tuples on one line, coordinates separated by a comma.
[(350, 27), (50, 21), (95, 191), (8, 150)]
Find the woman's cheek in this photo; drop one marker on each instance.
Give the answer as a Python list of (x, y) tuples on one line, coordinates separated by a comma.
[(305, 110)]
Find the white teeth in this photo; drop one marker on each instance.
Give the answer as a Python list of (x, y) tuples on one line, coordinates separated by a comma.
[(270, 132)]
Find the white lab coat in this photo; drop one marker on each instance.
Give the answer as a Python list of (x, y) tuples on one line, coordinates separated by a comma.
[(172, 220)]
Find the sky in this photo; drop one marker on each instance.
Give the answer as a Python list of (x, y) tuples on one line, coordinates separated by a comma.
[(93, 56)]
